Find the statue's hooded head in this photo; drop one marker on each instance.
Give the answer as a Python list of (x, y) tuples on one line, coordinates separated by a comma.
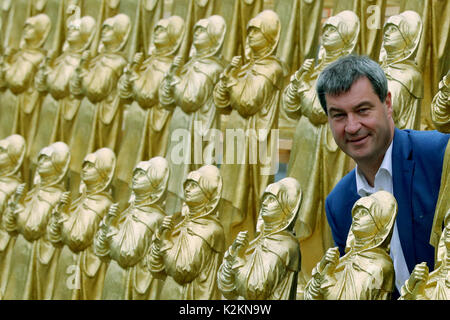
[(36, 31), (280, 204), (53, 164), (409, 26), (115, 33), (203, 190), (209, 35), (98, 170), (80, 32), (150, 180), (379, 210), (167, 35), (268, 23), (346, 25), (12, 154)]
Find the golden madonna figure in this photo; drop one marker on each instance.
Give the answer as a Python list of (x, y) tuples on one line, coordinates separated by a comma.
[(251, 93), (12, 153), (189, 92), (96, 78), (27, 217), (191, 251), (141, 84), (127, 242), (423, 285), (54, 76), (267, 267), (313, 146), (72, 227), (17, 74), (401, 39), (366, 271)]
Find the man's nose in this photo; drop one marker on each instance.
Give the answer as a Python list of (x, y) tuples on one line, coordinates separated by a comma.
[(353, 124)]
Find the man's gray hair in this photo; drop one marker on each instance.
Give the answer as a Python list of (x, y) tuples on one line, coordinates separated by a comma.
[(339, 76)]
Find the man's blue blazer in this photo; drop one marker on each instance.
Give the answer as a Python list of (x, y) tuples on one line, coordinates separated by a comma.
[(417, 159)]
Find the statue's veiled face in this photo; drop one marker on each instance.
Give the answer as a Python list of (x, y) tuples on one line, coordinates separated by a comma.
[(363, 226), (45, 166), (270, 209), (331, 39), (73, 33), (89, 172), (201, 38), (140, 181), (161, 37), (193, 193), (29, 31), (393, 39), (256, 39), (108, 35)]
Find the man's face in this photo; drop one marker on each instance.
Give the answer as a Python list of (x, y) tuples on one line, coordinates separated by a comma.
[(361, 124)]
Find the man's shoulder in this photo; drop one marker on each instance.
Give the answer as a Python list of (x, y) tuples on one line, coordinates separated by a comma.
[(425, 144), (427, 138)]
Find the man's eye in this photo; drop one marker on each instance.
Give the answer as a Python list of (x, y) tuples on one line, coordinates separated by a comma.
[(363, 110), (337, 115)]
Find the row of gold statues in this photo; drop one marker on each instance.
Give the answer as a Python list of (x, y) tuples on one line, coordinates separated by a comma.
[(53, 247), (96, 117)]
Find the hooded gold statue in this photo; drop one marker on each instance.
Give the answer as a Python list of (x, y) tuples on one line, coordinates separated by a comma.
[(423, 285), (12, 154), (400, 42), (128, 240), (73, 227), (267, 267), (191, 251), (27, 218), (366, 271)]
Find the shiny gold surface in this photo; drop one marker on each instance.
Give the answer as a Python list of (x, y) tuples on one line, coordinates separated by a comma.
[(266, 267), (366, 271)]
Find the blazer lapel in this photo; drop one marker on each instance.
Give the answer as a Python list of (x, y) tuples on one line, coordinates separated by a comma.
[(402, 173)]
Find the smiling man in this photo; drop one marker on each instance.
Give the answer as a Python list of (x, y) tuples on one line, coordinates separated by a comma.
[(353, 92)]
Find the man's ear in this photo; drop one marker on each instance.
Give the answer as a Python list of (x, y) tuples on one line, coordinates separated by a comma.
[(388, 103)]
